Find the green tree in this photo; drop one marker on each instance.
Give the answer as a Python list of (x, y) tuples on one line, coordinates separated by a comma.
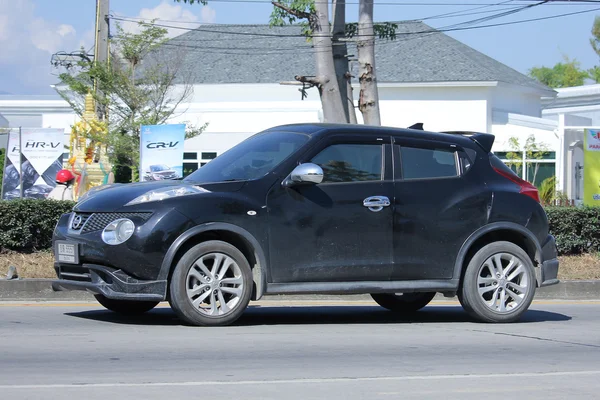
[(595, 43), (531, 150), (564, 74), (140, 86)]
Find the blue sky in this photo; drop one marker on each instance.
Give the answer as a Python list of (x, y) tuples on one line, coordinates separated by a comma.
[(31, 30)]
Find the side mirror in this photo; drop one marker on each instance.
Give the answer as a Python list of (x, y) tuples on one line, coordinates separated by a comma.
[(305, 173)]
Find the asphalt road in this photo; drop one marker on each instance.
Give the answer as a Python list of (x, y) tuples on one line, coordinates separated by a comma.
[(285, 351)]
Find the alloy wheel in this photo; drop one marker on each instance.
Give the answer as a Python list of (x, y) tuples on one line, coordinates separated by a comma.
[(214, 284), (503, 282)]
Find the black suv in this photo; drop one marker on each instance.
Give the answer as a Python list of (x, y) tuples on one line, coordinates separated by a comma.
[(401, 214)]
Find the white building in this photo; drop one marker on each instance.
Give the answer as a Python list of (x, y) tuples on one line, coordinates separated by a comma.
[(423, 76)]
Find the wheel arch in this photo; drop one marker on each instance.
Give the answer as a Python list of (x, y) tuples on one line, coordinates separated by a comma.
[(499, 231), (229, 233)]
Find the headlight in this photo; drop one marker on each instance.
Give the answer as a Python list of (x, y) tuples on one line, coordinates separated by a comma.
[(118, 231), (166, 193)]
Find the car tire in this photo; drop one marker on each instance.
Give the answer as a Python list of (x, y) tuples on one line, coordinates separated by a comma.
[(211, 284), (403, 302), (499, 283), (126, 307)]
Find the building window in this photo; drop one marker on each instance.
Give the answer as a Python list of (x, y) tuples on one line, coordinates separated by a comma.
[(205, 157), (190, 156), (209, 156), (189, 167)]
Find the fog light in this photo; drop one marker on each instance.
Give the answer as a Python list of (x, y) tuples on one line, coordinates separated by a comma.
[(118, 231)]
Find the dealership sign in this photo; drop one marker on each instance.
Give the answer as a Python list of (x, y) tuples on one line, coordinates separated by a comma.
[(591, 173), (161, 152), (34, 167)]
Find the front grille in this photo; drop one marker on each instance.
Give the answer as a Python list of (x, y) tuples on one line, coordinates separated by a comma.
[(99, 221), (79, 220)]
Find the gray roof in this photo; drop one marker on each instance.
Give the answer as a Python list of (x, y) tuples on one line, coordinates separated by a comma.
[(260, 54)]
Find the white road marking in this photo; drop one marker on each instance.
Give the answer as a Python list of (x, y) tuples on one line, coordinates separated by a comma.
[(302, 380)]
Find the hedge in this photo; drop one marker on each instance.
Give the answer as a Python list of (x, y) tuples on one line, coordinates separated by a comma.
[(576, 229), (27, 225)]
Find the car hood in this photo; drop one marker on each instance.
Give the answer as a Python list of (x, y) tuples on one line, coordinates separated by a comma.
[(112, 198)]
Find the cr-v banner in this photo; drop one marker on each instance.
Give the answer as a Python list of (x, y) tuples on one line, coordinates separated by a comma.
[(591, 172), (161, 152), (40, 161)]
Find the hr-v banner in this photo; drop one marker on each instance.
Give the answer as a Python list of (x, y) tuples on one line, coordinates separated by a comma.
[(35, 165), (161, 152)]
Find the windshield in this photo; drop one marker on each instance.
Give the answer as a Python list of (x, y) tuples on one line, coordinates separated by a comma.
[(157, 168), (251, 159)]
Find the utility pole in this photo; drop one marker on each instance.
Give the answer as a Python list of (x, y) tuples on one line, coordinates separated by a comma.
[(368, 101), (101, 45), (340, 59)]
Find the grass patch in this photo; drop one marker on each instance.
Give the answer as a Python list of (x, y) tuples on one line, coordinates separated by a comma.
[(41, 265), (580, 267), (34, 265)]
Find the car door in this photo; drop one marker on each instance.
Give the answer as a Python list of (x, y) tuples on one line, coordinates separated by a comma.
[(327, 232), (438, 204)]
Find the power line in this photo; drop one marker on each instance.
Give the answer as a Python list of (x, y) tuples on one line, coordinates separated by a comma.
[(314, 49), (450, 28), (453, 14), (552, 2)]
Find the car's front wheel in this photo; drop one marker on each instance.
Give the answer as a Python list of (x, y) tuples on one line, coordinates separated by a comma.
[(499, 283), (403, 302), (126, 307), (211, 284)]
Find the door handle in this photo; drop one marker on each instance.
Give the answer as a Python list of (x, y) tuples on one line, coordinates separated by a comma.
[(376, 203)]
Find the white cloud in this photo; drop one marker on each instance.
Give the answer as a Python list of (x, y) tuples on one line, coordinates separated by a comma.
[(28, 42), (64, 30), (209, 15), (168, 13)]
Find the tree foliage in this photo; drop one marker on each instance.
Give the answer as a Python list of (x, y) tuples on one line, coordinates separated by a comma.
[(564, 74), (141, 85), (530, 149)]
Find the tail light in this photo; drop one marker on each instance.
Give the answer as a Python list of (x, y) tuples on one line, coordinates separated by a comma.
[(526, 188)]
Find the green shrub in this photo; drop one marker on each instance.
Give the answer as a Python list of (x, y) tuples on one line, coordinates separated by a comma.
[(27, 225), (576, 229)]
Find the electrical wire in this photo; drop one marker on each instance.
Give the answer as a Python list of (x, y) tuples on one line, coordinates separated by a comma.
[(451, 28)]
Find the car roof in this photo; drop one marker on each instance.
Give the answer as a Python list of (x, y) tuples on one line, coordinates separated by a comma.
[(322, 129)]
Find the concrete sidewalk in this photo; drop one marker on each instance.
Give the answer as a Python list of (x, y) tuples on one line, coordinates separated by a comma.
[(41, 290)]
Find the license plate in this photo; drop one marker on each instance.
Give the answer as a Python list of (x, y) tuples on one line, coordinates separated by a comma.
[(67, 252)]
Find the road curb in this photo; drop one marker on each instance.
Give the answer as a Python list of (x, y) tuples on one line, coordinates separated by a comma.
[(41, 290)]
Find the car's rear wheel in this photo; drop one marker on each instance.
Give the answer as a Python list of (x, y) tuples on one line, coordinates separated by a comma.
[(211, 284), (403, 302), (499, 283), (126, 307)]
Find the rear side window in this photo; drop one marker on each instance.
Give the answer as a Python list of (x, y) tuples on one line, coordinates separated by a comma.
[(499, 165), (350, 162), (423, 163)]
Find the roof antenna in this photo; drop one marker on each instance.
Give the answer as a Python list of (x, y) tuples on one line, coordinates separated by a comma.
[(418, 125)]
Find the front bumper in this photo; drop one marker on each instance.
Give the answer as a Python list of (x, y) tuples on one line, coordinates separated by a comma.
[(548, 271), (109, 282)]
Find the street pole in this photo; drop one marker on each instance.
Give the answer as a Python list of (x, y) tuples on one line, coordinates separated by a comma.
[(101, 45)]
